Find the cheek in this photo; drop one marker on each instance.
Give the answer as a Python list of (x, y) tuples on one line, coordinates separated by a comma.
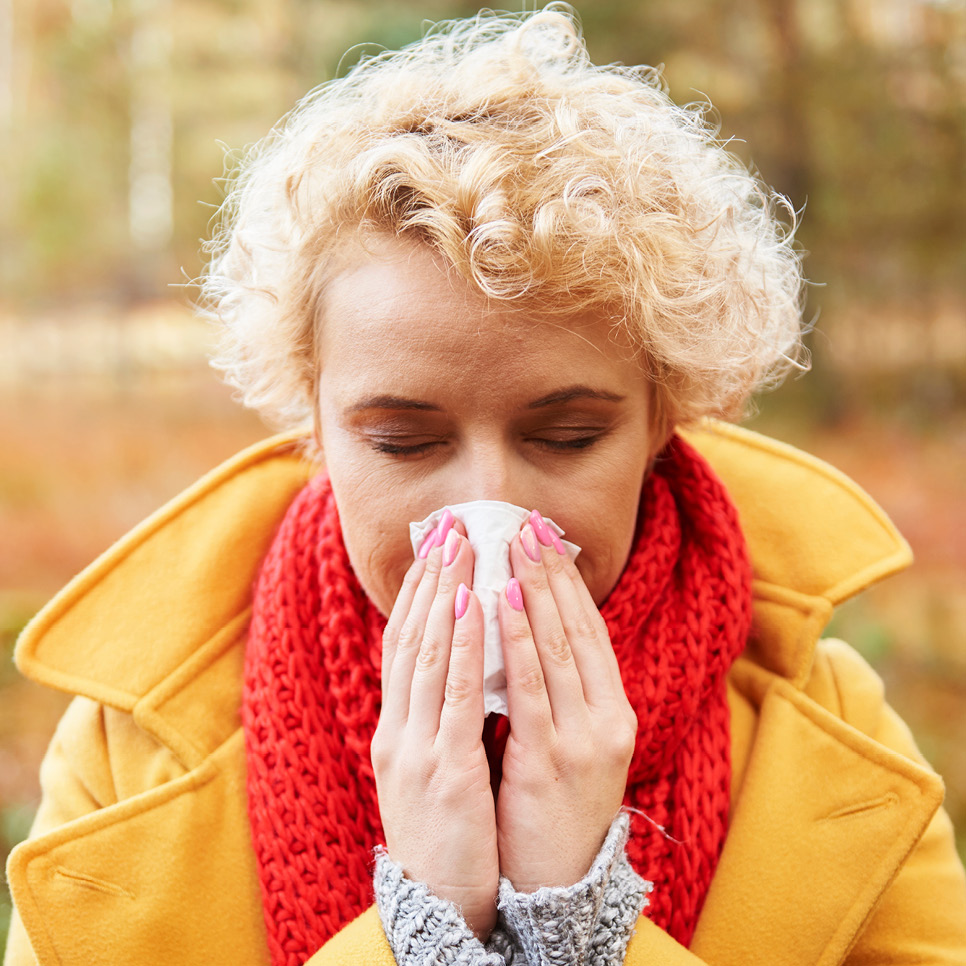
[(604, 530), (380, 566), (379, 551), (601, 561), (375, 528)]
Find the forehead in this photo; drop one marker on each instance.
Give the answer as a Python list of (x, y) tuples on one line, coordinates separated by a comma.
[(399, 313)]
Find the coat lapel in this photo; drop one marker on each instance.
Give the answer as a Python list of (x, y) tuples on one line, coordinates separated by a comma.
[(825, 818)]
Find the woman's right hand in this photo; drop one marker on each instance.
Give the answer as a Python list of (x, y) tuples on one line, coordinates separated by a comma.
[(431, 771)]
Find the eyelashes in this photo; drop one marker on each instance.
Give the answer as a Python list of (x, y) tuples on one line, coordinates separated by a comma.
[(400, 449), (576, 442)]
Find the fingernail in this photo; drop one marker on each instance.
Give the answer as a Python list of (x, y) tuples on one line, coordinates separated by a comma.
[(541, 529), (529, 541), (427, 544), (445, 522), (557, 542), (451, 547), (462, 600), (513, 594)]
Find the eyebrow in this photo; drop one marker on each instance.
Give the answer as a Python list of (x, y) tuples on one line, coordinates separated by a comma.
[(571, 393), (565, 395), (392, 402)]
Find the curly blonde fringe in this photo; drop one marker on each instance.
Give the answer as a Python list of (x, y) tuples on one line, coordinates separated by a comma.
[(543, 179)]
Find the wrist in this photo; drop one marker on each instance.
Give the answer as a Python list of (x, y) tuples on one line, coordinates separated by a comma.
[(558, 868)]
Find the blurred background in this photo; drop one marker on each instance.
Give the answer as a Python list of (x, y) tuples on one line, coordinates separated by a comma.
[(114, 120)]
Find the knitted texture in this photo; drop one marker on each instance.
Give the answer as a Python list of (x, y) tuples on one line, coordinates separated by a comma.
[(422, 929), (586, 924), (678, 618)]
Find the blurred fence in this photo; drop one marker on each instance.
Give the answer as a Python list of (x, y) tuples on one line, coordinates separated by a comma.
[(899, 335), (106, 345), (109, 346)]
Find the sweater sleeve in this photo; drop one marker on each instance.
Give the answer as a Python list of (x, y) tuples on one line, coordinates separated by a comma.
[(586, 924), (422, 929)]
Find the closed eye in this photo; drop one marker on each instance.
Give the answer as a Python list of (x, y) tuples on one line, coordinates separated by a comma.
[(568, 439), (398, 446)]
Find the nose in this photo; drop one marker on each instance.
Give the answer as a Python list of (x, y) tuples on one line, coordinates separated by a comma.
[(491, 470)]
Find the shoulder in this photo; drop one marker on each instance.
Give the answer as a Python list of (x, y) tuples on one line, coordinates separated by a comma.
[(843, 682), (815, 539)]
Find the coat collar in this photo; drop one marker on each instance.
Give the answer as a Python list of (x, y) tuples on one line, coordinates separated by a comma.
[(815, 537), (162, 607), (170, 600)]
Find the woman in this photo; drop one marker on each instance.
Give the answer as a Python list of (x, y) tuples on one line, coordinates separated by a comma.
[(485, 269)]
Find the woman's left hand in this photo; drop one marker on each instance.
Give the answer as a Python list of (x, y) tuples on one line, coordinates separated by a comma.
[(572, 729)]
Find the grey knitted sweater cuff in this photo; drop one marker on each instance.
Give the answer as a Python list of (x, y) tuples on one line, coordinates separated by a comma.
[(586, 924), (590, 922), (422, 929)]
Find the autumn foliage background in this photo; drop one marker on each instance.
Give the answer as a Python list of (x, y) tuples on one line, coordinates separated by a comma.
[(115, 115)]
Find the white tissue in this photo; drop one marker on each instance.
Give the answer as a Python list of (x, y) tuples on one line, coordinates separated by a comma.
[(490, 526)]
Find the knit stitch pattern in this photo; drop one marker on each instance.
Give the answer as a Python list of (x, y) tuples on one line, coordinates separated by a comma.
[(678, 618), (422, 929), (586, 924)]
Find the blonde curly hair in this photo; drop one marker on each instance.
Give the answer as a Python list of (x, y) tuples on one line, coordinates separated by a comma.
[(543, 179)]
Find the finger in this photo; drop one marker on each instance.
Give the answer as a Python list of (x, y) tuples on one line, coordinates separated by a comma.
[(564, 687), (432, 663), (585, 629), (408, 640), (404, 599), (528, 704), (400, 611), (438, 534), (405, 619), (461, 718)]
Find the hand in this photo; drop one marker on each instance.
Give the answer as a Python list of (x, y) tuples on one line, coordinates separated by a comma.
[(431, 772), (572, 729)]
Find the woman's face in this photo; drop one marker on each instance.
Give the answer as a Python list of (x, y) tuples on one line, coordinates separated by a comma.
[(428, 395)]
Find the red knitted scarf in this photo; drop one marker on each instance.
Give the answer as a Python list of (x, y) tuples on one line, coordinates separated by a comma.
[(678, 618)]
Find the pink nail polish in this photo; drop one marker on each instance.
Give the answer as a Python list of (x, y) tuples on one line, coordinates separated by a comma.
[(445, 522), (451, 547), (540, 529), (557, 543), (462, 600), (428, 544), (529, 541), (514, 594)]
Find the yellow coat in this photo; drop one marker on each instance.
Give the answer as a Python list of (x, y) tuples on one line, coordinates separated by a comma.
[(837, 852)]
